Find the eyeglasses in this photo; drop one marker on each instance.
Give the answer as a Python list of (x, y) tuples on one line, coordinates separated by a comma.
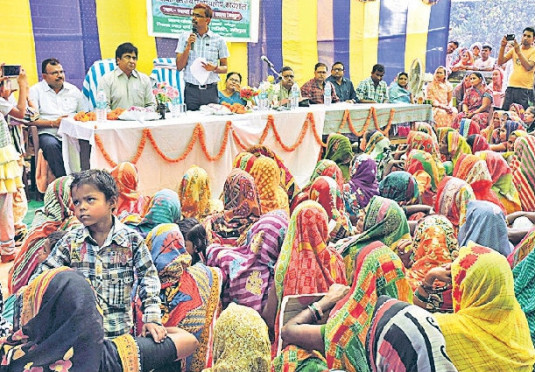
[(287, 76), (338, 69), (321, 72), (195, 15), (55, 73)]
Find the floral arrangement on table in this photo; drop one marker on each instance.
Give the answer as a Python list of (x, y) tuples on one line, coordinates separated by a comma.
[(268, 88), (164, 93), (248, 94)]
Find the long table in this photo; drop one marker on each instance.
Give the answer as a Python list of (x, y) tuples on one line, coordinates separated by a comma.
[(162, 150)]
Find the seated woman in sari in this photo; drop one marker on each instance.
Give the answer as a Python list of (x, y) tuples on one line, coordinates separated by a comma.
[(517, 112), (248, 269), (473, 170), (195, 195), (434, 245), (506, 129), (130, 200), (468, 127), (401, 187), (244, 161), (440, 93), (60, 329), (377, 146), (477, 102), (343, 338), (361, 187), (266, 176), (488, 330), (306, 264), (56, 215), (340, 151), (498, 87), (453, 145), (502, 180), (424, 168), (241, 209), (231, 93), (418, 140), (524, 171), (189, 294), (399, 92), (325, 191), (164, 207), (491, 132), (453, 195), (477, 142)]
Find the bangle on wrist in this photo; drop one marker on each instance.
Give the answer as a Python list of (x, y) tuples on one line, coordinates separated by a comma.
[(316, 312)]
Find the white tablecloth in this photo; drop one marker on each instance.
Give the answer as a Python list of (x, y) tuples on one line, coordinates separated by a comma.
[(121, 138)]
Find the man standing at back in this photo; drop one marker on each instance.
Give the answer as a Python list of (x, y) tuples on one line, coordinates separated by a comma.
[(520, 87), (373, 89), (55, 99), (125, 86), (343, 86), (201, 43)]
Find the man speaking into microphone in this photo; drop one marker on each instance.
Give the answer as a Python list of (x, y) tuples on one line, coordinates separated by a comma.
[(201, 46)]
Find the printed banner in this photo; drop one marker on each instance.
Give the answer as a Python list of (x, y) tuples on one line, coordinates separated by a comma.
[(235, 20)]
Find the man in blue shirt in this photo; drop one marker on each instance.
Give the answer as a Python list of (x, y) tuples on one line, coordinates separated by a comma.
[(343, 86)]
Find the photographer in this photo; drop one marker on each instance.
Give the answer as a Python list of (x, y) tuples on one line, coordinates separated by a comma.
[(520, 87)]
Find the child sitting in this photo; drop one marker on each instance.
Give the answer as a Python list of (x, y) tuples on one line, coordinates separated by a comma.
[(110, 255)]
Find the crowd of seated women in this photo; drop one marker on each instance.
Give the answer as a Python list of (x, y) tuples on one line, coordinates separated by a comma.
[(416, 257)]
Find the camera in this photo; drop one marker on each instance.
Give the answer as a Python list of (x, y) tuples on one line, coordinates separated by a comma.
[(510, 37), (11, 70)]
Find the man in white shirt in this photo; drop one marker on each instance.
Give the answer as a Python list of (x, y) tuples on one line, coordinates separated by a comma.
[(55, 99), (486, 62)]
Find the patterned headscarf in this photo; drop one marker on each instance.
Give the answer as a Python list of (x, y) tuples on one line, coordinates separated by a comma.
[(401, 187), (477, 142), (329, 168), (241, 341), (428, 143), (421, 161), (434, 244), (453, 196), (524, 171), (340, 151), (130, 200), (488, 331), (244, 160), (381, 273), (195, 195), (522, 249), (164, 207), (523, 273), (377, 145), (241, 209), (363, 183), (457, 145), (266, 175), (57, 202), (248, 269), (407, 337)]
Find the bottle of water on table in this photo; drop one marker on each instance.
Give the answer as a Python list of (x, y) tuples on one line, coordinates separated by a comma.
[(294, 97), (101, 105), (327, 94)]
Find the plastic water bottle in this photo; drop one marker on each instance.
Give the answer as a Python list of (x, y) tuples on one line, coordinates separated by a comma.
[(327, 94), (101, 104), (294, 96)]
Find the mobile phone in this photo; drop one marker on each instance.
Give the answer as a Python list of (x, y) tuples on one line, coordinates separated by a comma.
[(510, 37), (11, 70)]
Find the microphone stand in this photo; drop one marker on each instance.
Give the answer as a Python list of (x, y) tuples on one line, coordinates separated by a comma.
[(275, 72)]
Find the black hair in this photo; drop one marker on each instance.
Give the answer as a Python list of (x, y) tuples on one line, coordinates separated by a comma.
[(531, 109), (207, 10), (99, 178), (486, 46), (193, 231), (318, 65), (49, 61), (370, 134), (286, 68), (378, 67), (55, 237), (125, 48), (338, 63), (233, 73), (403, 74), (529, 29), (470, 140), (477, 73), (454, 42)]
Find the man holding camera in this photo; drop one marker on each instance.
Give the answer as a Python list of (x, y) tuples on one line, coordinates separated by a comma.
[(520, 87)]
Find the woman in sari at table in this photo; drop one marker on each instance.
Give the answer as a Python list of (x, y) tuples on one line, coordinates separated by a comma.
[(266, 176), (398, 91), (340, 151), (56, 215), (477, 102), (439, 91), (523, 167), (189, 294), (241, 209), (488, 330), (248, 269), (424, 168), (362, 185), (195, 195), (130, 200), (452, 197)]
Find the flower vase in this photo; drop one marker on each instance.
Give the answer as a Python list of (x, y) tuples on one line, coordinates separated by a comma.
[(161, 108)]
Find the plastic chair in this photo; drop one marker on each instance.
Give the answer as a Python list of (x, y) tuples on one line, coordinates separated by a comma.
[(90, 85), (164, 70)]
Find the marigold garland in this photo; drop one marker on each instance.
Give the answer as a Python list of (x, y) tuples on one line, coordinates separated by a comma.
[(371, 114)]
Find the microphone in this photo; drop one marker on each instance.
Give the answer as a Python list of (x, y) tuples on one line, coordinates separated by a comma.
[(265, 59), (194, 30)]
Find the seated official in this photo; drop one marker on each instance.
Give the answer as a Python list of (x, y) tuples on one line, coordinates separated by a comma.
[(284, 88), (343, 86), (125, 86), (314, 88), (373, 89), (231, 93)]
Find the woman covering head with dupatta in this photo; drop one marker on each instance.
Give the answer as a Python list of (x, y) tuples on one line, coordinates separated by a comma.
[(453, 145), (468, 127), (195, 195), (523, 167), (440, 92), (477, 102), (453, 196), (164, 207), (488, 330), (524, 277), (477, 142), (130, 200), (417, 140), (248, 269), (266, 175), (362, 185), (244, 160), (502, 179), (241, 209), (401, 187), (407, 337), (56, 215), (424, 168), (377, 145), (241, 341), (189, 294), (340, 151)]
